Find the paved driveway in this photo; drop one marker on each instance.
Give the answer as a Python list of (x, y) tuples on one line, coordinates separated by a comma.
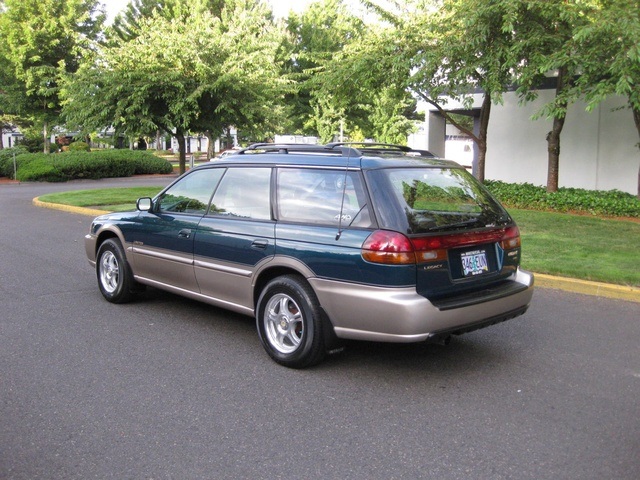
[(167, 388)]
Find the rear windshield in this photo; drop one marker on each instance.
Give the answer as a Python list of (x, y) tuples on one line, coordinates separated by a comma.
[(435, 199)]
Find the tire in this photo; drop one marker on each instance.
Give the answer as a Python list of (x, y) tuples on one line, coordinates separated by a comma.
[(115, 278), (290, 322)]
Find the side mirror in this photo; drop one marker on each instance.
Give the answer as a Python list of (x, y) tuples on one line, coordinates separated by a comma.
[(144, 204)]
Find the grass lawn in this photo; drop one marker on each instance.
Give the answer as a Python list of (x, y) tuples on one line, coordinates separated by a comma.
[(589, 248), (577, 246), (108, 199)]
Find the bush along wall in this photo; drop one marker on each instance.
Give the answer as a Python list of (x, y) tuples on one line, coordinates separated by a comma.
[(61, 167), (612, 203)]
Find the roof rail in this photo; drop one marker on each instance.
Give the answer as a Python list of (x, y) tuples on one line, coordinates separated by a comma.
[(380, 148), (286, 148)]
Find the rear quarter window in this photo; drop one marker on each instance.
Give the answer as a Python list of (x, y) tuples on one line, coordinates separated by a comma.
[(323, 197)]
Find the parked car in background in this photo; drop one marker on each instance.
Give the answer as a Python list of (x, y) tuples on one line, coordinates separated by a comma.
[(322, 244), (226, 153)]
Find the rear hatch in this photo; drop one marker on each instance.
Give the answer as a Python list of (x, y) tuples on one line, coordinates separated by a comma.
[(466, 243)]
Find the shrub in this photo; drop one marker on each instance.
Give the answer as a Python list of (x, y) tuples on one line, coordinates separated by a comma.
[(32, 143), (594, 202), (6, 159), (79, 147), (89, 165)]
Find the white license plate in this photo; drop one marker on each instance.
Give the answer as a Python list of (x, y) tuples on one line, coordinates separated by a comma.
[(474, 263)]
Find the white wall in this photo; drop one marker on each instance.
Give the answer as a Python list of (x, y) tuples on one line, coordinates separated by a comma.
[(598, 149)]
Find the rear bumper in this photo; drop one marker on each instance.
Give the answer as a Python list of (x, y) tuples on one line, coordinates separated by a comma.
[(362, 312)]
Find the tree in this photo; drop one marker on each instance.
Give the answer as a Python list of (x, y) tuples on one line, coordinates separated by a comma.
[(393, 116), (608, 51), (436, 50), (544, 43), (466, 48), (126, 23), (43, 39), (334, 95), (314, 38), (209, 122), (193, 73)]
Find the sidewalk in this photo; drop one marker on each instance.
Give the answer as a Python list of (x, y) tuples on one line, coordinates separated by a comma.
[(585, 287)]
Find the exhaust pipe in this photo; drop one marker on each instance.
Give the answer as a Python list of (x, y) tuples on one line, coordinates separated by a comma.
[(441, 339)]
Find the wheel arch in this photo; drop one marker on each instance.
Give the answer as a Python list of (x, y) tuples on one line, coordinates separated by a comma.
[(268, 274), (290, 266), (106, 234)]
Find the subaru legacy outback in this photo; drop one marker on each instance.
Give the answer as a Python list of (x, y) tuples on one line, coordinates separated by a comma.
[(321, 244)]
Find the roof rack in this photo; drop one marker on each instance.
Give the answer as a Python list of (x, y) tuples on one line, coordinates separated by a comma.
[(381, 148), (345, 149), (286, 148)]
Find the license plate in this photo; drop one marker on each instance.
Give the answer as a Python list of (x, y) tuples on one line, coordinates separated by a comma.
[(474, 263)]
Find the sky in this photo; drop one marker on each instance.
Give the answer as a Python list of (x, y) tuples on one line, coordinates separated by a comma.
[(280, 7)]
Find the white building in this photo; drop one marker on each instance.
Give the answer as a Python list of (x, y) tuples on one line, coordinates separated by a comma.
[(9, 138), (598, 149)]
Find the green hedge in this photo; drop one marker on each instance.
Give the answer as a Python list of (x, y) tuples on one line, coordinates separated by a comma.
[(60, 167), (79, 147), (6, 159), (594, 202)]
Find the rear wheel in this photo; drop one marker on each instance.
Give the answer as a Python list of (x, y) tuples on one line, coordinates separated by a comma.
[(114, 274), (289, 322)]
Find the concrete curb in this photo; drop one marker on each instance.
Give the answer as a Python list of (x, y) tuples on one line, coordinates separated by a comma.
[(585, 287), (69, 208), (598, 289)]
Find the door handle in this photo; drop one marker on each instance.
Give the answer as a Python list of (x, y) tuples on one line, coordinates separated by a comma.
[(260, 244), (185, 233)]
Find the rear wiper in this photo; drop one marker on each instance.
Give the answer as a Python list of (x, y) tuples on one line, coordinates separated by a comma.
[(450, 226)]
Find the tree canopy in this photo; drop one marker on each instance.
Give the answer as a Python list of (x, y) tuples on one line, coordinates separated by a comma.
[(202, 66), (43, 39), (436, 51), (194, 71), (313, 38), (608, 49)]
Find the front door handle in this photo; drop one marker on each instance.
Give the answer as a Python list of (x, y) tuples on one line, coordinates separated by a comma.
[(185, 233)]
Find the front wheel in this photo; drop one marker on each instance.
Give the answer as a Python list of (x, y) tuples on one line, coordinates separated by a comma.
[(289, 322), (114, 274)]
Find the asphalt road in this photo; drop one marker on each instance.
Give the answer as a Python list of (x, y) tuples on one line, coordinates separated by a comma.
[(166, 388)]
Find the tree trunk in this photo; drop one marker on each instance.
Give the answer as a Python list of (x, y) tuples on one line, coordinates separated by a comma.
[(553, 137), (45, 135), (636, 119), (485, 112), (1, 137), (182, 151), (480, 139), (211, 145), (553, 150), (230, 142)]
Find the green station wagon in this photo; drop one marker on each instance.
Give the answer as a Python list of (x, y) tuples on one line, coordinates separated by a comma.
[(322, 244)]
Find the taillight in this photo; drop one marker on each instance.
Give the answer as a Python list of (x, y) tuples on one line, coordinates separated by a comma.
[(511, 238), (391, 248)]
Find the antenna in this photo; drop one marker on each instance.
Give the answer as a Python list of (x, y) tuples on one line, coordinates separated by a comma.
[(344, 191)]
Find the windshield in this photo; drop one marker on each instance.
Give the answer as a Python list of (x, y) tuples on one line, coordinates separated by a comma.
[(440, 199)]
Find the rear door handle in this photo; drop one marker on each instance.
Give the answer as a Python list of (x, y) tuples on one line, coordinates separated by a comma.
[(185, 233), (260, 244)]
